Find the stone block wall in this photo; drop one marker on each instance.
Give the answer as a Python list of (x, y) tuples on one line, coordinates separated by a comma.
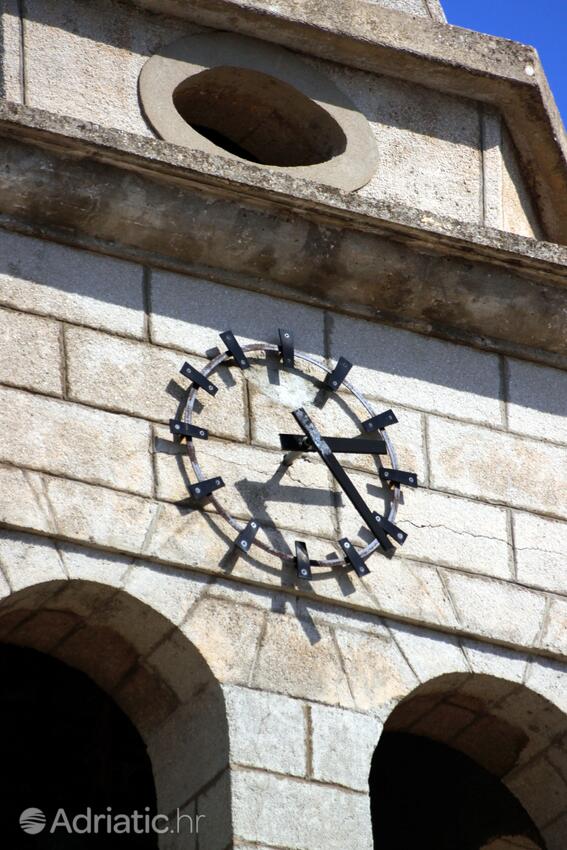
[(90, 351)]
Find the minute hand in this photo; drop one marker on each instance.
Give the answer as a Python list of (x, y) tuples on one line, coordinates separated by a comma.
[(325, 453)]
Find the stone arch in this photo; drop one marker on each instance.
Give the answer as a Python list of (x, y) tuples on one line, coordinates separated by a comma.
[(155, 675), (513, 733)]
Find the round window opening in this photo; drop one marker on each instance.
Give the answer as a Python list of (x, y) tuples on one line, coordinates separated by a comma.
[(259, 118)]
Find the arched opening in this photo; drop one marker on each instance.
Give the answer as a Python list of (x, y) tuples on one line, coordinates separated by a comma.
[(69, 747), (429, 796), (473, 762), (258, 117), (160, 692)]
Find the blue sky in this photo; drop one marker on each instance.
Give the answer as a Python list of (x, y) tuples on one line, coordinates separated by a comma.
[(542, 23)]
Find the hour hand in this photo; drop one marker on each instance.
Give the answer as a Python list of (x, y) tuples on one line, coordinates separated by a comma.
[(340, 445)]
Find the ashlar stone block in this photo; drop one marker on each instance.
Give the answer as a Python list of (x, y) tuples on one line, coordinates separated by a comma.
[(75, 441), (267, 731), (69, 284), (343, 744), (500, 467), (419, 371), (30, 353)]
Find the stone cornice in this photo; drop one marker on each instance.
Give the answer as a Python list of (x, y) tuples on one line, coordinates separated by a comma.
[(382, 261), (364, 35)]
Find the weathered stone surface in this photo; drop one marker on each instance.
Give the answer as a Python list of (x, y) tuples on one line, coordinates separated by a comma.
[(11, 84), (429, 654), (275, 811), (79, 442), (74, 510), (495, 660), (536, 400), (378, 674), (76, 286), (521, 214), (541, 551), (170, 592), (456, 533), (30, 353), (188, 538), (103, 52), (120, 375), (409, 590), (549, 679), (227, 635), (258, 485), (92, 565), (318, 612), (497, 609), (136, 378), (542, 808), (492, 465), (410, 369), (183, 771), (26, 560), (492, 166), (422, 8), (555, 636), (189, 313), (427, 140), (266, 731), (180, 665), (336, 732), (300, 660)]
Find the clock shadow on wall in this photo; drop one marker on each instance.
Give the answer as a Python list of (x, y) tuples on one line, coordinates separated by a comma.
[(312, 487)]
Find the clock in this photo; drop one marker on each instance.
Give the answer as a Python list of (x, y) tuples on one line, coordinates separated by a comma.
[(299, 438)]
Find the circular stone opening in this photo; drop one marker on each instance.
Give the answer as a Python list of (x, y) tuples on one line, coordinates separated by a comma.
[(258, 117)]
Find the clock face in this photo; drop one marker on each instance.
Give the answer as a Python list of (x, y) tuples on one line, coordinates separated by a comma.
[(308, 413)]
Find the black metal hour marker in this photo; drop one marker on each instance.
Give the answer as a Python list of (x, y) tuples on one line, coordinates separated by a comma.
[(377, 423), (341, 445), (184, 429), (353, 557), (234, 347), (198, 378), (397, 476), (339, 373), (391, 529), (202, 489), (302, 560), (245, 538), (286, 348)]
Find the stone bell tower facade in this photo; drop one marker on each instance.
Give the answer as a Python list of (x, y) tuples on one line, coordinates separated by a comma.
[(383, 188)]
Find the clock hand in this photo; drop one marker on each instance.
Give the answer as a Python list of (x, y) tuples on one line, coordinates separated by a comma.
[(354, 445), (324, 451)]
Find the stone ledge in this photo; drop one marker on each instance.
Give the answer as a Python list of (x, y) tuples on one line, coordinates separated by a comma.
[(390, 263), (364, 35)]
